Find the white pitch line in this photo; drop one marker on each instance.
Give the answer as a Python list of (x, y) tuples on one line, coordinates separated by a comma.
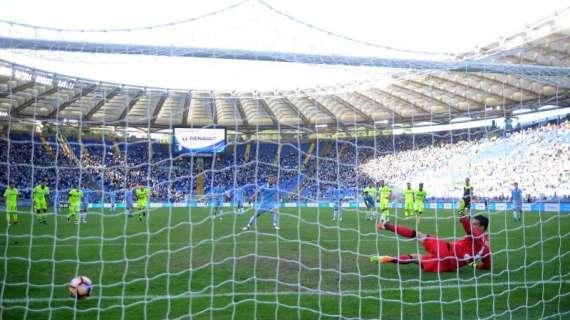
[(289, 293)]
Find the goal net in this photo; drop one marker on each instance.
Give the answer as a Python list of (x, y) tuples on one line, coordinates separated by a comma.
[(306, 161)]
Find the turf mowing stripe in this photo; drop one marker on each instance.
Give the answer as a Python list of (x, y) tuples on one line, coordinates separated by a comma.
[(151, 244), (288, 293)]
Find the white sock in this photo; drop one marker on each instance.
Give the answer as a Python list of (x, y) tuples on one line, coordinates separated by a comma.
[(252, 220)]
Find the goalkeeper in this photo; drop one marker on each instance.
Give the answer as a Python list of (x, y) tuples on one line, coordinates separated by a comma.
[(442, 255), (11, 196)]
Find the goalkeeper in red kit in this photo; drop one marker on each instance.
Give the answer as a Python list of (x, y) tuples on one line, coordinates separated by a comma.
[(443, 256)]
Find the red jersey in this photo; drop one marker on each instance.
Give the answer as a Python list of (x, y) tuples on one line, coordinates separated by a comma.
[(475, 245)]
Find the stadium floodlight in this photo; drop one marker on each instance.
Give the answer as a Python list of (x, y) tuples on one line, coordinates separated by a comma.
[(321, 126), (381, 122)]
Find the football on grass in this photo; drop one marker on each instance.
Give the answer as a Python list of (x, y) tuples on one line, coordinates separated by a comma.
[(80, 287)]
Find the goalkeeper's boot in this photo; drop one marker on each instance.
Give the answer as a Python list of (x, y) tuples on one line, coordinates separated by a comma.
[(245, 228), (380, 259), (276, 227)]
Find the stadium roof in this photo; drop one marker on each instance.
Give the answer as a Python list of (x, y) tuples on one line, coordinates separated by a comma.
[(438, 94)]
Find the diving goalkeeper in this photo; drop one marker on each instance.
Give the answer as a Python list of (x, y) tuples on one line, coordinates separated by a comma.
[(445, 256)]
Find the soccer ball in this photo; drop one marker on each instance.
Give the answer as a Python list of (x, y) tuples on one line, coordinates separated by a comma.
[(80, 287)]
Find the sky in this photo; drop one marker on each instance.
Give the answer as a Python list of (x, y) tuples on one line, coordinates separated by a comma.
[(428, 26)]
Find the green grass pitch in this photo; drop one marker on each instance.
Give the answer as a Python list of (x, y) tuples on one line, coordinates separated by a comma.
[(182, 264)]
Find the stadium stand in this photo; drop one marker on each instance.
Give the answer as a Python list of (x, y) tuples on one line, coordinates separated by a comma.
[(445, 160)]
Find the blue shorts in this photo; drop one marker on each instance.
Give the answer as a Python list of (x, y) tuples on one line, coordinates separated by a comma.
[(239, 203), (517, 206), (129, 205), (369, 203), (337, 205), (218, 204), (263, 210)]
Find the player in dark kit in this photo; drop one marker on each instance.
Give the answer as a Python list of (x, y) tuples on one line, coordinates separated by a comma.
[(465, 203)]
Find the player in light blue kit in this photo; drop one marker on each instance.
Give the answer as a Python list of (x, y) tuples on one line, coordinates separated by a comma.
[(217, 194), (337, 196), (113, 200), (516, 197), (268, 203), (84, 205), (56, 202), (238, 196), (129, 201)]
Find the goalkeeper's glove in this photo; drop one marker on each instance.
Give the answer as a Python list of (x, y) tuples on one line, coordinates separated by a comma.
[(477, 261)]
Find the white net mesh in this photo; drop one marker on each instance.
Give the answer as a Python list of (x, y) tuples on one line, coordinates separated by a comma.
[(194, 250)]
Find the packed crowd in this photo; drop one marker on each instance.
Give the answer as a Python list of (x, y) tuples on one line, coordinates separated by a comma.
[(538, 157)]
